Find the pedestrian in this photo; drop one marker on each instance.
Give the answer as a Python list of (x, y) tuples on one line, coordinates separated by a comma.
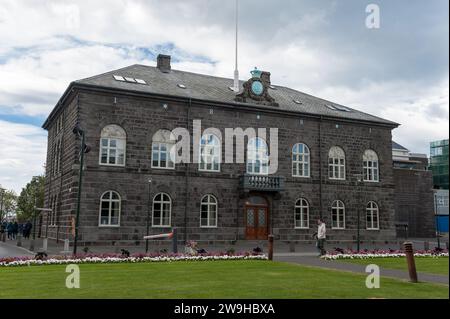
[(321, 236), (21, 229), (9, 229), (27, 230), (15, 229)]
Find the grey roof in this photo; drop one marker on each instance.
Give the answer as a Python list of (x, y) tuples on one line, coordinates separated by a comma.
[(397, 146), (211, 88)]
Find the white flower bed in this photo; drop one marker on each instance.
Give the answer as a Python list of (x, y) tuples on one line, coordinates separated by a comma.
[(104, 260), (380, 255)]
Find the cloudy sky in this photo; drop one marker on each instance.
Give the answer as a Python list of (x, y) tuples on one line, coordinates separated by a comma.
[(399, 71)]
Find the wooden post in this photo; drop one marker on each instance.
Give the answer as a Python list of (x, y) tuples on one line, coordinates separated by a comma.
[(408, 247), (270, 247)]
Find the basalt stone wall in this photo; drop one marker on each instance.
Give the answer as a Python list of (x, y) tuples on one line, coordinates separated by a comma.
[(142, 117), (414, 202)]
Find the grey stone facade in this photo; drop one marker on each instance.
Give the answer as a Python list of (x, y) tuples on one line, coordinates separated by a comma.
[(141, 115)]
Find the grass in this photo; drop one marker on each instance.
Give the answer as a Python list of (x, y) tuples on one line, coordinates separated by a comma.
[(423, 264), (209, 279)]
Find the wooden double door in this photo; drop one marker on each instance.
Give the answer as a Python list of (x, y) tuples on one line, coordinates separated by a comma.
[(256, 221)]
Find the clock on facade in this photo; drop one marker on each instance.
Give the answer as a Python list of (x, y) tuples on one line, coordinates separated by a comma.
[(257, 87)]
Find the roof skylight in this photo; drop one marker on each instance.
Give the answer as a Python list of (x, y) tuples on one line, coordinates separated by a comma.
[(331, 107), (128, 79), (297, 102), (182, 86)]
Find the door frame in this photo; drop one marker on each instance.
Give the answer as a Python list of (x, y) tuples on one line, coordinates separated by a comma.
[(266, 206)]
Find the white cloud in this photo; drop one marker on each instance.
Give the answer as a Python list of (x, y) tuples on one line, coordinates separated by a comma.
[(23, 153)]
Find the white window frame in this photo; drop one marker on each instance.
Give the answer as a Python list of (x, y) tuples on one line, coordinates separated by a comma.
[(110, 200), (162, 202), (300, 163), (211, 201), (159, 139), (257, 152), (301, 204), (372, 209), (336, 162), (120, 137), (210, 150), (371, 167), (339, 206)]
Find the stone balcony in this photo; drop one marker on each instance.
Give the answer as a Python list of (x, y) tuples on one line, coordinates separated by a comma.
[(262, 183)]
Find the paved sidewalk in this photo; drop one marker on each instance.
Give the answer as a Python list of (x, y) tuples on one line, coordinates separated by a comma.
[(355, 268)]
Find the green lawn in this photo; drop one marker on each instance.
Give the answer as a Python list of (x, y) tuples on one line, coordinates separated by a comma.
[(423, 264), (209, 279)]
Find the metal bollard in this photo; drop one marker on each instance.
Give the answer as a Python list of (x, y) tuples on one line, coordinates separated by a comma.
[(19, 240), (409, 252), (174, 241), (270, 247), (66, 245)]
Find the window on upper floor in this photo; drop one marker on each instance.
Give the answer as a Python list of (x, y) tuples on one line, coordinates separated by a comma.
[(300, 160), (370, 166), (336, 163), (257, 157), (112, 146), (210, 153), (163, 149)]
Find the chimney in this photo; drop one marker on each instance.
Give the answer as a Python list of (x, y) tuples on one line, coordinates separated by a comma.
[(163, 63), (265, 77)]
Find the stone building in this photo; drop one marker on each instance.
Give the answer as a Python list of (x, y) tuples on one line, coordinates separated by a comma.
[(333, 161), (414, 198)]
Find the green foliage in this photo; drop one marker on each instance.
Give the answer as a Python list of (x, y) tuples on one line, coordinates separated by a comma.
[(8, 202), (31, 195)]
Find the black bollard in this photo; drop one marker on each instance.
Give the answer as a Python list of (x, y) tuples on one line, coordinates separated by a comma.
[(270, 247)]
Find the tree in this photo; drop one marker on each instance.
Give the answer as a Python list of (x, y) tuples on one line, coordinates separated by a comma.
[(31, 196), (8, 202)]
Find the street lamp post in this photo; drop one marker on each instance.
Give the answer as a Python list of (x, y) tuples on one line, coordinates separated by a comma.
[(358, 218), (83, 149), (148, 212)]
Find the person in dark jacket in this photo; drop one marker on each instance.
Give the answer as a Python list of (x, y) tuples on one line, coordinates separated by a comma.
[(15, 229), (27, 230), (10, 229)]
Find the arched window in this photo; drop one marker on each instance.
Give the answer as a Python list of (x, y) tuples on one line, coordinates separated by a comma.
[(372, 216), (336, 163), (300, 160), (112, 145), (301, 213), (370, 166), (210, 153), (109, 209), (257, 156), (338, 215), (162, 210), (163, 149), (208, 211)]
